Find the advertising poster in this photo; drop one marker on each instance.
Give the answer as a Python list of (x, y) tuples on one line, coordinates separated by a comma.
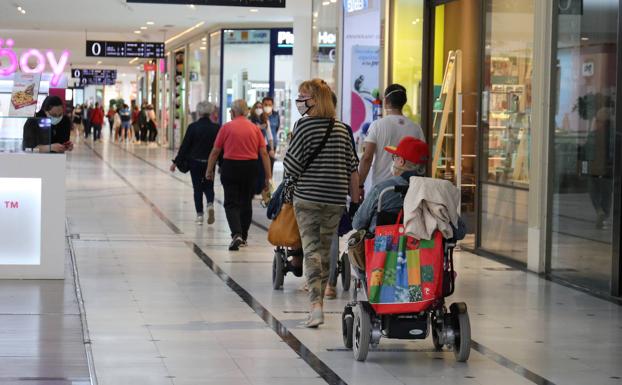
[(361, 71), (24, 95), (363, 86)]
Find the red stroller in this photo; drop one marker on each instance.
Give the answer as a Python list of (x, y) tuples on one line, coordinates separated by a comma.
[(400, 289)]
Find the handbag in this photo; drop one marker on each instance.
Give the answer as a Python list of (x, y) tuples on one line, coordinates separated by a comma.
[(182, 164), (283, 230), (404, 275)]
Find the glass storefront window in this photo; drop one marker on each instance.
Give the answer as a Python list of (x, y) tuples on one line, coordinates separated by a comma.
[(246, 67), (583, 144), (408, 63), (506, 120), (213, 95), (197, 76), (324, 43)]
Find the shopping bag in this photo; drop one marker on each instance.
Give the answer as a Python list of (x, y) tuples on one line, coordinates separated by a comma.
[(283, 230), (403, 274)]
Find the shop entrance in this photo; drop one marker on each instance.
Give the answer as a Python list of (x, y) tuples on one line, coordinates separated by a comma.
[(455, 95)]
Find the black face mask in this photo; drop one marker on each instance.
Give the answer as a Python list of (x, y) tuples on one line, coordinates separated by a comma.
[(302, 106)]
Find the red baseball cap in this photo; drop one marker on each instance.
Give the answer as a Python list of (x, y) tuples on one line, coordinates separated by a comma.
[(411, 149)]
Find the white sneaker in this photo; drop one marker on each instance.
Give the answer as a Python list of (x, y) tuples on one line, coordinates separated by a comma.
[(210, 214), (199, 220)]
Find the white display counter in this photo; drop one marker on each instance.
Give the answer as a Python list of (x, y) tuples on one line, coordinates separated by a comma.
[(32, 216)]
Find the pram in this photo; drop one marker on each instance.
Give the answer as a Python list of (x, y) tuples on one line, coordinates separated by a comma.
[(365, 321)]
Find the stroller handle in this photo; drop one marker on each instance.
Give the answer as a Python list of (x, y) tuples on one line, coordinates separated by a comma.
[(397, 189)]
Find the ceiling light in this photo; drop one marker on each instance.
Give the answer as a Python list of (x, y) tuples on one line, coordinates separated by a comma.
[(203, 48), (19, 9), (123, 74), (23, 11), (333, 1), (99, 62), (585, 38), (254, 10), (184, 32), (137, 32), (191, 6), (133, 60), (326, 3), (143, 28), (150, 23)]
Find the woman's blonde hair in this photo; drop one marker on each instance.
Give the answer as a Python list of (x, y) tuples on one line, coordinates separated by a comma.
[(322, 95)]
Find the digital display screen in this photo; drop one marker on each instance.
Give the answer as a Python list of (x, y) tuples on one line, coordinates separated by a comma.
[(131, 49), (231, 3)]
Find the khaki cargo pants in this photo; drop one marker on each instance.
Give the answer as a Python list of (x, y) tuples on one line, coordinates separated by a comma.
[(317, 223)]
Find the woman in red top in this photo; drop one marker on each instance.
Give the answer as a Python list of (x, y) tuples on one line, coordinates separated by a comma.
[(97, 121)]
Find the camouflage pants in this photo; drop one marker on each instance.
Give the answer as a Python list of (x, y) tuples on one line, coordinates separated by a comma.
[(317, 223)]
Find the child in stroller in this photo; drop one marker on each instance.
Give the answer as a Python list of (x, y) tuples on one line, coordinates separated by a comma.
[(402, 281)]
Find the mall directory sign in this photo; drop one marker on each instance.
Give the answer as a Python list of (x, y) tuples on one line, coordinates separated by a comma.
[(94, 77), (231, 3), (132, 49)]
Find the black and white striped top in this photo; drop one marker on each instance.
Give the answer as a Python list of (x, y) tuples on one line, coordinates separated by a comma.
[(327, 179)]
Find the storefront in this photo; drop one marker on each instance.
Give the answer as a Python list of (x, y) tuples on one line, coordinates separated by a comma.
[(477, 57)]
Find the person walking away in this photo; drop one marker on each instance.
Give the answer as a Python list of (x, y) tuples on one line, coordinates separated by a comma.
[(126, 126), (195, 149), (152, 125), (320, 185), (116, 127), (600, 161), (52, 136), (387, 131), (241, 144), (275, 122), (97, 121), (135, 122), (88, 111), (76, 121), (110, 117), (142, 123), (260, 119)]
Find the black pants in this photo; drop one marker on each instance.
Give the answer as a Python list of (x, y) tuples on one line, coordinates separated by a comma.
[(238, 180), (200, 185), (601, 191), (153, 131), (97, 131), (143, 133), (87, 129)]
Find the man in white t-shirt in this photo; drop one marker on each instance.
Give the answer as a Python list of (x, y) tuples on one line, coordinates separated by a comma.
[(387, 131)]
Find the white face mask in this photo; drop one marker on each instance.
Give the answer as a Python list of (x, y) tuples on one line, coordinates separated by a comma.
[(258, 111), (268, 109), (55, 119)]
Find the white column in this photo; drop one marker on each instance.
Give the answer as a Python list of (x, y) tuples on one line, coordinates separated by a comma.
[(302, 49), (540, 133)]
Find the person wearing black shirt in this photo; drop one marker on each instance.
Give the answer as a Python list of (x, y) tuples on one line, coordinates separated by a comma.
[(194, 150), (50, 129)]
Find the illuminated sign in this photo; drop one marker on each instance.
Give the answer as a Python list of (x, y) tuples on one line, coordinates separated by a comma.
[(326, 38), (94, 77), (20, 221), (355, 5), (145, 50), (285, 39), (12, 63)]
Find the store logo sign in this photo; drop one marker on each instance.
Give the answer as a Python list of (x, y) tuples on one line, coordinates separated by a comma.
[(11, 204), (326, 38), (10, 63), (285, 39), (355, 5)]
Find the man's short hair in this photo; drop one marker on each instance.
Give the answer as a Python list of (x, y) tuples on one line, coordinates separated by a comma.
[(267, 99), (239, 107), (396, 95), (204, 108)]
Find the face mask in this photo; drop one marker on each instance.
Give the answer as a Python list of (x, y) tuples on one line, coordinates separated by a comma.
[(55, 119), (258, 111), (302, 106), (268, 109)]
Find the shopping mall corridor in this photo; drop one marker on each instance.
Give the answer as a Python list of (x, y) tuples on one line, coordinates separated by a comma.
[(167, 303)]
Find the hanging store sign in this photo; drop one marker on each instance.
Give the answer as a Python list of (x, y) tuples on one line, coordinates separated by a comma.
[(355, 5), (231, 3), (31, 61), (94, 77), (132, 49)]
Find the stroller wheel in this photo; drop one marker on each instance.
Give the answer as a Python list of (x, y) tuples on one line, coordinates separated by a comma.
[(346, 272), (278, 270), (361, 333), (462, 331), (347, 324)]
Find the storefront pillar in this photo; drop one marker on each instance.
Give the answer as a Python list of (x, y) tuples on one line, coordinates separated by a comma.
[(302, 50), (541, 123)]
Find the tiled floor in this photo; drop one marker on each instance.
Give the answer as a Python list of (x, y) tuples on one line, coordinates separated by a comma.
[(158, 314)]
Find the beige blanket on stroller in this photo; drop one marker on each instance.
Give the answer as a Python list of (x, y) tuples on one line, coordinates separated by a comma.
[(430, 204)]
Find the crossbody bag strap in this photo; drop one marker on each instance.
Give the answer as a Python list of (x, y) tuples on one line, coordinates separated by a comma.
[(321, 146)]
